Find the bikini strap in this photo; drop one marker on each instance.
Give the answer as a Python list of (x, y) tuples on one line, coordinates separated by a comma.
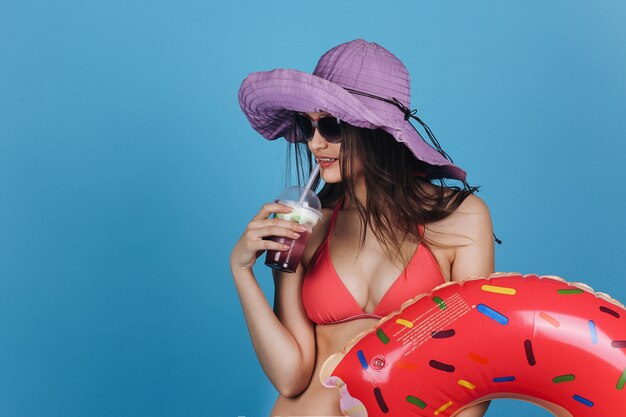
[(334, 216), (324, 244)]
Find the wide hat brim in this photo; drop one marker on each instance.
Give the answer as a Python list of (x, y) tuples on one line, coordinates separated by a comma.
[(270, 98)]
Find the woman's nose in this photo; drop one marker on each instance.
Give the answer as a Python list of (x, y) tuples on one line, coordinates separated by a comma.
[(318, 141)]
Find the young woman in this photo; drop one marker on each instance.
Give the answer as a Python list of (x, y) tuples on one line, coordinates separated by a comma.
[(389, 231)]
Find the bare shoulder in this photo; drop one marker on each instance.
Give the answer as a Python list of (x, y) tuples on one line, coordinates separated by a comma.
[(469, 222), (472, 237), (473, 214)]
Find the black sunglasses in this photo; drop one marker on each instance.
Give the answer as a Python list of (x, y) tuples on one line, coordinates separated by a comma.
[(328, 126)]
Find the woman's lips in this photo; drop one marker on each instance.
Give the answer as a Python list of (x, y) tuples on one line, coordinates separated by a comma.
[(326, 162)]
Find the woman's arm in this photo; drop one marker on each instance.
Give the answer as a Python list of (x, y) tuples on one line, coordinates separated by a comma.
[(474, 257), (283, 340), (286, 350)]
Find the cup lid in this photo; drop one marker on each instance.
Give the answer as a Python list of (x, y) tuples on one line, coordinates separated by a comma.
[(301, 197)]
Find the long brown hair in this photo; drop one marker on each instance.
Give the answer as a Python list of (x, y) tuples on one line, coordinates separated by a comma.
[(397, 198)]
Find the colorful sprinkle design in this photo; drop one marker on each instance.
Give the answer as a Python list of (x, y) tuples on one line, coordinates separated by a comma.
[(416, 401), (406, 365), (466, 384), (593, 332), (492, 314), (504, 379), (530, 355), (570, 291), (380, 400), (621, 381), (405, 323), (563, 378), (439, 301), (546, 317), (443, 334), (362, 359), (443, 408), (583, 400), (498, 290), (441, 366), (609, 311), (382, 336), (477, 358)]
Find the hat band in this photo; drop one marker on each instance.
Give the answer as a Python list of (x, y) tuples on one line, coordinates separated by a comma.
[(408, 114)]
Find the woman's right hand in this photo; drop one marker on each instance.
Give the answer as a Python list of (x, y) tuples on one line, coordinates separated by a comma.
[(252, 244)]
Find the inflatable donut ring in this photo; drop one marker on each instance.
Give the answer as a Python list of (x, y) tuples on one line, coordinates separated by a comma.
[(556, 344)]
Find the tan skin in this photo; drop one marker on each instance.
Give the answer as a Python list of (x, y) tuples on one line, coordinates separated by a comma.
[(290, 348)]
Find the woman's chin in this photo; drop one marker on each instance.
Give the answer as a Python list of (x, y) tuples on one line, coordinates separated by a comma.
[(331, 178)]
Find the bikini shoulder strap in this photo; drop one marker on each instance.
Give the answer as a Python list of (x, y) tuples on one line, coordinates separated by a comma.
[(333, 219)]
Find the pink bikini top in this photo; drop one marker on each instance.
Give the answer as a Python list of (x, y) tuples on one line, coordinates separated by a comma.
[(327, 300)]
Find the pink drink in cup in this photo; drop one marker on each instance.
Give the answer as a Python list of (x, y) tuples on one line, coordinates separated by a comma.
[(306, 211)]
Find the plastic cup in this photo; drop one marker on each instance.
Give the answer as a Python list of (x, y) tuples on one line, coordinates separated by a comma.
[(306, 210)]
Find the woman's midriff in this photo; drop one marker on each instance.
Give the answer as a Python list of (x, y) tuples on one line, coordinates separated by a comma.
[(317, 400)]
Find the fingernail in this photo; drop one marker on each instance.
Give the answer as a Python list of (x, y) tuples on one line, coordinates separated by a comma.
[(301, 228)]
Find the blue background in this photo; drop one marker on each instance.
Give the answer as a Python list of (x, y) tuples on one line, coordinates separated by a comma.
[(127, 173)]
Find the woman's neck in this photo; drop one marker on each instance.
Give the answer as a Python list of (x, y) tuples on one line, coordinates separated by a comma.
[(360, 190)]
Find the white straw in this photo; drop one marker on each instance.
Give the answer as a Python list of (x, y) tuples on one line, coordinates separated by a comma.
[(310, 181)]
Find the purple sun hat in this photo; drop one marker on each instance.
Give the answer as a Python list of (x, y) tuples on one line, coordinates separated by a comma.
[(359, 82)]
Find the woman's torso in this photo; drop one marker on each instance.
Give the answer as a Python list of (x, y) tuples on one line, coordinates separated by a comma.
[(367, 280)]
